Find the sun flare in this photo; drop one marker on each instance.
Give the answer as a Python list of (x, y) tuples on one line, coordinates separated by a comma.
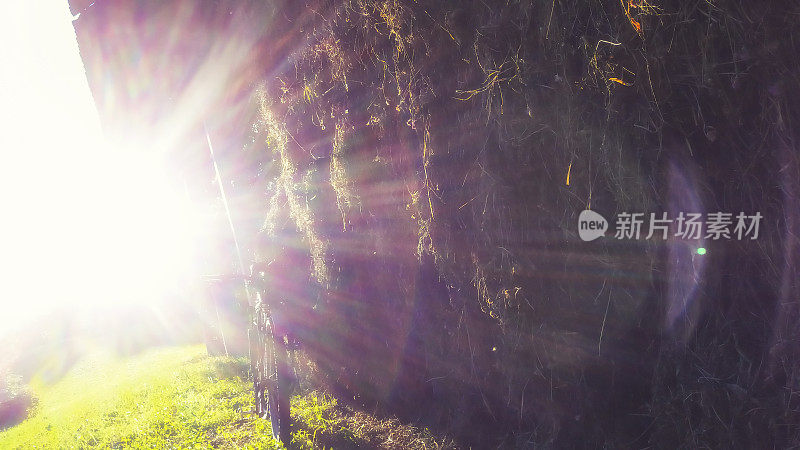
[(88, 224)]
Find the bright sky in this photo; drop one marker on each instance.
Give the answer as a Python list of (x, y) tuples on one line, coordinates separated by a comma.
[(82, 224)]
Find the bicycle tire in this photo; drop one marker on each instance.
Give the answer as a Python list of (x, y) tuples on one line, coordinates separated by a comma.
[(270, 380)]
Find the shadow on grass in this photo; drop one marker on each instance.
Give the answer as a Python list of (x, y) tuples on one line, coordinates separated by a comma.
[(322, 419), (224, 367)]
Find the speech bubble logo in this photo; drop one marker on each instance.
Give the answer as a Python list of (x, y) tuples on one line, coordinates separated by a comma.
[(591, 225)]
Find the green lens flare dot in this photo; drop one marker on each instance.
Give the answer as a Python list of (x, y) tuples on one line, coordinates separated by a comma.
[(701, 251)]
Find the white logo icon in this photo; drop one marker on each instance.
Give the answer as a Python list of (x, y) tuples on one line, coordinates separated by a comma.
[(591, 225)]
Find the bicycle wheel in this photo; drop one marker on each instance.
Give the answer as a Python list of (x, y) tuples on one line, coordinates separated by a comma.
[(271, 379), (256, 372)]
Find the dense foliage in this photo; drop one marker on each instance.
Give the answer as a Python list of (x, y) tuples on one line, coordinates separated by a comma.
[(474, 133)]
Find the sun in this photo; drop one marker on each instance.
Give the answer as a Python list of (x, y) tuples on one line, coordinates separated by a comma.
[(85, 224), (150, 228)]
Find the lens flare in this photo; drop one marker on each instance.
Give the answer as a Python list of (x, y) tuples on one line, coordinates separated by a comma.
[(87, 224)]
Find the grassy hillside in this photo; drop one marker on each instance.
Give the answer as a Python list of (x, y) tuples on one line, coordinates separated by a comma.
[(180, 398)]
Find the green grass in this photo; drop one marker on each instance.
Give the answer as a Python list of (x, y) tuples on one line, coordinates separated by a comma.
[(164, 398), (179, 397)]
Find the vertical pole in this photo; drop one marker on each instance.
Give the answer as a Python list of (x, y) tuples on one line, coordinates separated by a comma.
[(233, 231)]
